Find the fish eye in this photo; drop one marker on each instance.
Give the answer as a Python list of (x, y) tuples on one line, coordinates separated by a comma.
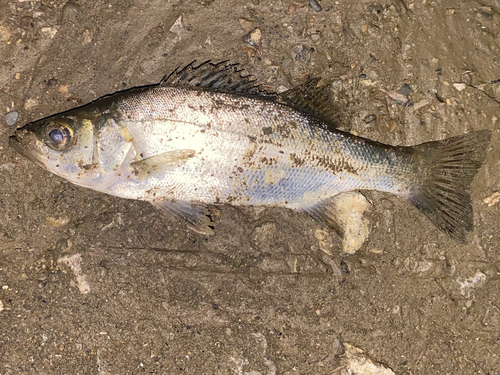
[(59, 136)]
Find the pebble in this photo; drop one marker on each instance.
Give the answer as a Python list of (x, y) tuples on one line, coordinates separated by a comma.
[(399, 98), (30, 104), (460, 86), (355, 361), (253, 38), (302, 53), (57, 223), (70, 10), (178, 25), (315, 6), (11, 118), (392, 125), (315, 37), (369, 118), (246, 24), (405, 89), (492, 199)]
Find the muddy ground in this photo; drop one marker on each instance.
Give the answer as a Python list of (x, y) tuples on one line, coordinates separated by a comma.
[(271, 292)]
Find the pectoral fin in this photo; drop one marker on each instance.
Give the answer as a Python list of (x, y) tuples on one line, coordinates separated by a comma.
[(165, 161), (193, 212)]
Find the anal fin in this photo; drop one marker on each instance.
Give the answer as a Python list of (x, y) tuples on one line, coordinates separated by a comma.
[(193, 212)]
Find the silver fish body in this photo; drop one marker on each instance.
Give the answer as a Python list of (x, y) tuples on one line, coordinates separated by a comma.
[(245, 152), (181, 147)]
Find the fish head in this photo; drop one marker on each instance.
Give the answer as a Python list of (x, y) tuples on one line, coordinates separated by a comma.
[(86, 150)]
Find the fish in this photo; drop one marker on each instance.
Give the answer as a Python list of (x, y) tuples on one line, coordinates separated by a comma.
[(208, 134)]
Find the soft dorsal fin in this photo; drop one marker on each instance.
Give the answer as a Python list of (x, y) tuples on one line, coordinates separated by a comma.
[(316, 101), (222, 76)]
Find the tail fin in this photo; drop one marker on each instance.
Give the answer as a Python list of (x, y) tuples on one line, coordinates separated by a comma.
[(446, 171)]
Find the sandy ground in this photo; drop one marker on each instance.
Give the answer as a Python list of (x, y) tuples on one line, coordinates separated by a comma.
[(93, 284)]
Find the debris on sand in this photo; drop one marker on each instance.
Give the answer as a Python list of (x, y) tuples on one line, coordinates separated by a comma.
[(74, 262), (354, 361), (492, 199)]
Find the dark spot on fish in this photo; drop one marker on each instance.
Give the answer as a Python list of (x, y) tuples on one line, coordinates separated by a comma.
[(268, 161), (297, 162), (281, 152), (87, 167), (252, 138), (268, 130)]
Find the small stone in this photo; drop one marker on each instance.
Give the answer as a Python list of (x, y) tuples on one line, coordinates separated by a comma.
[(369, 118), (57, 223), (460, 86), (30, 104), (253, 38), (246, 24), (256, 36), (17, 75), (5, 34), (492, 199), (51, 31), (420, 104), (315, 6), (87, 36), (1, 306), (405, 89), (302, 53), (315, 37), (292, 8), (11, 118), (399, 98), (392, 125), (70, 11), (255, 2), (178, 25)]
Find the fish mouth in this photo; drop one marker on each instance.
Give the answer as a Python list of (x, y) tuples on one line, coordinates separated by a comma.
[(16, 145), (20, 147)]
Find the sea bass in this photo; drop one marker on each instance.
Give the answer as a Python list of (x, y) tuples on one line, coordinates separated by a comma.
[(208, 135)]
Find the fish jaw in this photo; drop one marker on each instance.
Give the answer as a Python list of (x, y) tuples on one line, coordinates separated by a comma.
[(27, 144)]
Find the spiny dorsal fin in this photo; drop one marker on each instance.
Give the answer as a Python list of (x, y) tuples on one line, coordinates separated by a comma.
[(316, 101), (222, 76)]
